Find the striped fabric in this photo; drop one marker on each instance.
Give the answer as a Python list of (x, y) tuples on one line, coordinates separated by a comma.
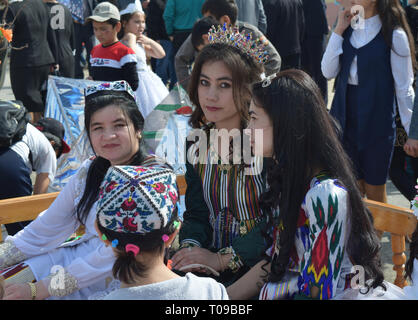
[(232, 198), (19, 273)]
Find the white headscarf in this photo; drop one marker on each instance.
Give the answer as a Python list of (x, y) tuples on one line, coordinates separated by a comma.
[(130, 7)]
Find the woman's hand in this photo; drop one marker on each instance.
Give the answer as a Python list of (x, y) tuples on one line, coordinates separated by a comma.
[(17, 291), (193, 255), (143, 39), (344, 20)]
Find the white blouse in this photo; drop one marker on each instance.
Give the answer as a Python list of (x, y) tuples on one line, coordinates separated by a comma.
[(400, 59), (87, 260)]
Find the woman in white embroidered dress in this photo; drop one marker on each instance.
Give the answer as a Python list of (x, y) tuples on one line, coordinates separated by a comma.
[(318, 225), (151, 90), (47, 268)]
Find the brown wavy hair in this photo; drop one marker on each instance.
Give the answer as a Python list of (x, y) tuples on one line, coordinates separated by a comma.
[(393, 16), (244, 71)]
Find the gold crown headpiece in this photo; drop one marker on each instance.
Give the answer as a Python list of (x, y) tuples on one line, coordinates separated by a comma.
[(256, 49)]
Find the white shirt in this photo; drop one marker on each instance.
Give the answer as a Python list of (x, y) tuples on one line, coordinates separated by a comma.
[(189, 287), (87, 259), (400, 60), (43, 155)]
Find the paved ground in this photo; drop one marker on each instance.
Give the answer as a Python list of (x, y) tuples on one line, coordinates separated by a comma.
[(394, 197)]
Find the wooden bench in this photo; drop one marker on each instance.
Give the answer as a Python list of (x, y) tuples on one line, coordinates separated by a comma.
[(399, 222), (28, 207)]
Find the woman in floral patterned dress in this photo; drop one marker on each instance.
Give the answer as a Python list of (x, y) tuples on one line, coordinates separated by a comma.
[(318, 226)]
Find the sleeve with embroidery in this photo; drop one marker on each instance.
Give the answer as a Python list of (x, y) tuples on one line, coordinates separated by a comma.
[(326, 208)]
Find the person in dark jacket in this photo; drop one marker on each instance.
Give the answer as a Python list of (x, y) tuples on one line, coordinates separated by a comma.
[(314, 42), (164, 67), (36, 53), (63, 27), (83, 35), (285, 29)]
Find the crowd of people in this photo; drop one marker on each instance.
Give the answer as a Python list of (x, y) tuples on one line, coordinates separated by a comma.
[(283, 218)]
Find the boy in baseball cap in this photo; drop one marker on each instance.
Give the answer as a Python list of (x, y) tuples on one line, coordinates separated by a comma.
[(111, 60)]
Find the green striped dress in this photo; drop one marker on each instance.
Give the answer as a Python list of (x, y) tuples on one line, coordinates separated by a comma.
[(222, 208)]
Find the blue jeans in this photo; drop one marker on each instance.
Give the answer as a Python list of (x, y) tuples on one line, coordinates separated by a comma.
[(164, 67)]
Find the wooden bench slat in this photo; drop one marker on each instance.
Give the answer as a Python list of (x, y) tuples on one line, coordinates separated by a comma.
[(24, 208), (391, 218)]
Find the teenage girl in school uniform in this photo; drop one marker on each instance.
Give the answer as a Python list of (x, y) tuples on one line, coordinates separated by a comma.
[(372, 53)]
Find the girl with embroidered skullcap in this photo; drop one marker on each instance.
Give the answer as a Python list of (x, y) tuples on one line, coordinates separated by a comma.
[(371, 53), (151, 90), (221, 232), (318, 225), (39, 263), (137, 217)]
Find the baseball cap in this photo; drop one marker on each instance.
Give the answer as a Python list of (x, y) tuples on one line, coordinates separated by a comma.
[(105, 11), (50, 126)]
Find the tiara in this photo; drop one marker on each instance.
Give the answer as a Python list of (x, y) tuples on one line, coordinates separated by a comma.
[(256, 49), (121, 85)]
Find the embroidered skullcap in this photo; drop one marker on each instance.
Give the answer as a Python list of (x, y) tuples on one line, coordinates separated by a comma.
[(136, 199), (107, 86), (129, 6)]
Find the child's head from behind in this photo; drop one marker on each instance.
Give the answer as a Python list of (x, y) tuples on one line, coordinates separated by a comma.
[(224, 11), (106, 22), (113, 121), (137, 215), (200, 32)]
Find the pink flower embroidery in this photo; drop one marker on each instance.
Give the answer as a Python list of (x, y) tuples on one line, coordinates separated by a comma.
[(159, 187), (128, 205), (129, 224)]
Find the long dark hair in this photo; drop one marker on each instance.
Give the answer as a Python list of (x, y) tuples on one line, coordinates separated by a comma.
[(99, 166), (126, 267), (244, 71), (413, 254), (305, 140), (393, 16)]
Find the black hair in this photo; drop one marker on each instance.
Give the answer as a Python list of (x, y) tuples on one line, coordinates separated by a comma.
[(113, 22), (99, 166), (305, 141), (200, 28), (126, 266), (58, 146), (219, 8)]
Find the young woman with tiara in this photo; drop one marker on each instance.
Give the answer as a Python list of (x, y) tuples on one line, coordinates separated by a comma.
[(151, 90), (140, 233), (39, 263), (323, 242), (372, 54), (221, 232)]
